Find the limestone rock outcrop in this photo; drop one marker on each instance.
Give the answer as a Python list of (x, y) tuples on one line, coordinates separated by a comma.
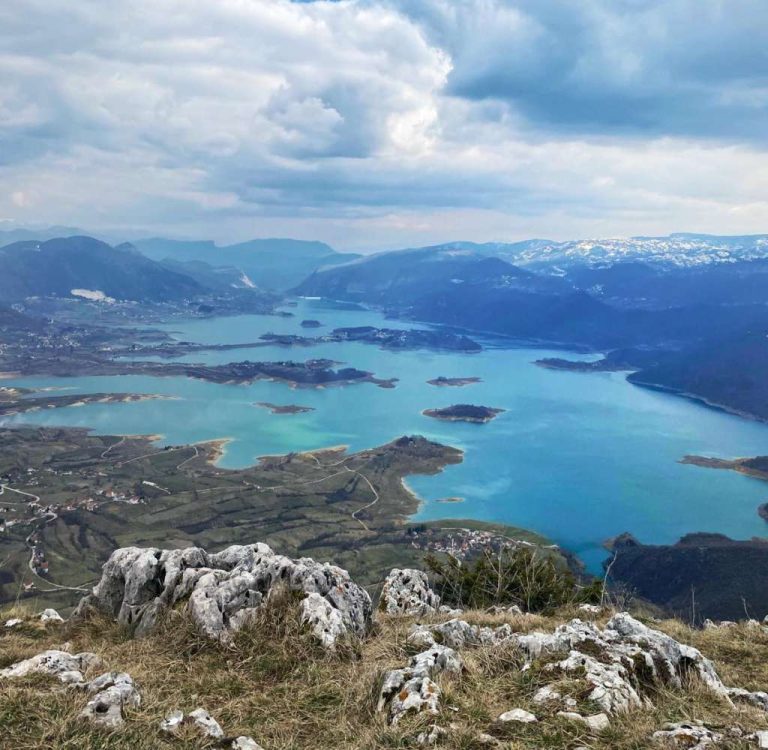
[(615, 661), (67, 668), (407, 592), (519, 715), (225, 589), (207, 727), (413, 688), (113, 691), (51, 615), (245, 743), (693, 736)]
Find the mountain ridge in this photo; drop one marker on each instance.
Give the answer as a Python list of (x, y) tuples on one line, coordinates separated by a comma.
[(58, 266)]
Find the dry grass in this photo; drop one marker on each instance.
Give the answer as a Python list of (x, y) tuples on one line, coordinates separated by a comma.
[(274, 684)]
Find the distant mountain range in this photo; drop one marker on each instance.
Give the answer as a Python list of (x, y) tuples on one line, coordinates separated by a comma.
[(274, 264), (675, 250), (86, 267), (269, 264), (21, 234)]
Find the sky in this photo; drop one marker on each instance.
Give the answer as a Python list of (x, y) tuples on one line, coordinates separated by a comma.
[(373, 124)]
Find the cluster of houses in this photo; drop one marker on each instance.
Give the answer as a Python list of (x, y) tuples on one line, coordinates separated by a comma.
[(459, 542)]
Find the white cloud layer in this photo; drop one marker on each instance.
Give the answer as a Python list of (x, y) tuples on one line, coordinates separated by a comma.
[(378, 123)]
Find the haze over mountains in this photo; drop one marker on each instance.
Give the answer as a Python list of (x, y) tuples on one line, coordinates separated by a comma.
[(268, 263)]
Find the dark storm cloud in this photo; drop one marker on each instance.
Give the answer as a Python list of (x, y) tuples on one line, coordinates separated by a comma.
[(694, 68)]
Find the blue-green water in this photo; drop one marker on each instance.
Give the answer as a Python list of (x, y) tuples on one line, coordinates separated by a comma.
[(577, 457)]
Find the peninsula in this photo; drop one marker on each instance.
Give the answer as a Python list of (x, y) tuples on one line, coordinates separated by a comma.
[(754, 467), (22, 403)]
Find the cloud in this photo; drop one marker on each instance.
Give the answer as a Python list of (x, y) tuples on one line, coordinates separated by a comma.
[(370, 123), (694, 68)]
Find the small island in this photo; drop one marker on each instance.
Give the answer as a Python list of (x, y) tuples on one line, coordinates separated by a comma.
[(284, 409), (442, 381), (464, 413), (311, 324)]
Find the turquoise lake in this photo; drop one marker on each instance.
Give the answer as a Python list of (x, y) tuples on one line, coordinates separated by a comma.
[(577, 457)]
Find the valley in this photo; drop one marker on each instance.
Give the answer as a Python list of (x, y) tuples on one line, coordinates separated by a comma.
[(68, 498), (575, 459)]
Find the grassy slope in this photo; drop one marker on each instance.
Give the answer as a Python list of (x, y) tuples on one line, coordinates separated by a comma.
[(273, 684)]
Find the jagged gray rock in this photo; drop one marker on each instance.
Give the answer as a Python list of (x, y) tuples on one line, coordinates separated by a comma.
[(710, 625), (597, 722), (626, 646), (457, 634), (326, 622), (689, 736), (413, 688), (519, 715), (758, 698), (432, 737), (245, 743), (590, 609), (546, 694), (225, 589), (612, 687), (512, 609), (113, 691), (172, 721), (51, 615), (407, 592), (203, 721), (207, 725), (444, 609), (68, 668), (570, 715)]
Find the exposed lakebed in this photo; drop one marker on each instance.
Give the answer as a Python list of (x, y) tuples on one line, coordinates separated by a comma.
[(578, 457)]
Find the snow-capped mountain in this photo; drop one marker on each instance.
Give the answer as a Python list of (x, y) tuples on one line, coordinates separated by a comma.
[(681, 250)]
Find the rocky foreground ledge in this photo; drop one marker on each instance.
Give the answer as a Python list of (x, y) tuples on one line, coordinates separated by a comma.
[(224, 590), (441, 677)]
